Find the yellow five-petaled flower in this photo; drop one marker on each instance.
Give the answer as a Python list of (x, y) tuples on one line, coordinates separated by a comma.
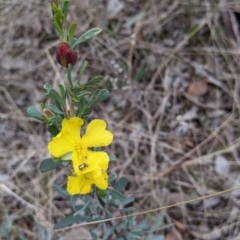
[(89, 167)]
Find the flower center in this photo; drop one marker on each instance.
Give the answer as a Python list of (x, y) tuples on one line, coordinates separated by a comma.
[(82, 150)]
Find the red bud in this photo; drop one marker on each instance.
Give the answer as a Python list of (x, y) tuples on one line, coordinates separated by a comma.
[(66, 55)]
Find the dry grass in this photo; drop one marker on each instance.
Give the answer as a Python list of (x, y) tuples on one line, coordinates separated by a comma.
[(173, 143)]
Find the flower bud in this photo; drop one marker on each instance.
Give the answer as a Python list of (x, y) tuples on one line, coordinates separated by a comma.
[(66, 55), (47, 114)]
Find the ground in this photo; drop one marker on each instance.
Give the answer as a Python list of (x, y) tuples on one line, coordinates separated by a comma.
[(172, 68)]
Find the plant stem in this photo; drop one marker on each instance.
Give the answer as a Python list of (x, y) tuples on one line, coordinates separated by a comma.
[(71, 108)]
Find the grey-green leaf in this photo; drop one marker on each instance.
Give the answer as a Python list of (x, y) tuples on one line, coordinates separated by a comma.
[(83, 93), (54, 95), (48, 164), (55, 109), (98, 96), (126, 201), (87, 35), (82, 209), (82, 69), (61, 190), (127, 210), (53, 130), (117, 195), (112, 177), (66, 162), (68, 221), (71, 30), (121, 184), (47, 86), (103, 94), (157, 237), (112, 157), (33, 112), (94, 235), (65, 6), (95, 83), (63, 92)]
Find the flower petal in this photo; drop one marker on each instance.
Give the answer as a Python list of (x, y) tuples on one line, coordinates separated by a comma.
[(99, 159), (95, 161), (96, 134), (95, 174), (66, 140), (102, 181), (86, 188), (71, 128), (75, 158), (60, 146), (78, 184), (73, 184)]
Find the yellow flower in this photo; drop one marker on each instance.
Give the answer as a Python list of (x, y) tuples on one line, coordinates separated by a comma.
[(69, 141), (89, 166), (82, 184)]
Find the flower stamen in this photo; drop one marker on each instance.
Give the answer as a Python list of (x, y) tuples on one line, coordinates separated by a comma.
[(82, 166)]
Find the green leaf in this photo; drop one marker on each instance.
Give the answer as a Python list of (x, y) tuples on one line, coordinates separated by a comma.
[(73, 42), (74, 199), (69, 220), (98, 96), (112, 157), (42, 106), (66, 162), (71, 30), (57, 24), (157, 237), (104, 93), (117, 195), (89, 34), (75, 98), (65, 6), (86, 112), (48, 164), (83, 208), (53, 130), (82, 70), (108, 231), (93, 235), (54, 8), (121, 184), (95, 83), (158, 222), (81, 105), (72, 219), (61, 190), (66, 156), (69, 75), (128, 210), (60, 14), (101, 192), (63, 92), (55, 159), (120, 238), (132, 235), (55, 109), (47, 87), (112, 177), (34, 113), (56, 120), (126, 201), (83, 93), (55, 96)]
